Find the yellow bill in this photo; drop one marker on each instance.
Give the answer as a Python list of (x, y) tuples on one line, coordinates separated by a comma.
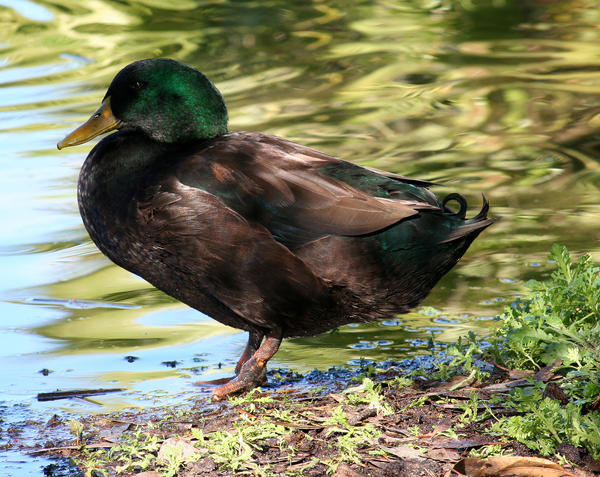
[(100, 122)]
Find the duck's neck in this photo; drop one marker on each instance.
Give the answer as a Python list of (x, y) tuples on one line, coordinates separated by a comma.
[(115, 168)]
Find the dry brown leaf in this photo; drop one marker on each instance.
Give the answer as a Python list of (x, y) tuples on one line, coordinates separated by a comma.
[(444, 455), (511, 466), (344, 470), (448, 443), (442, 426), (404, 452), (506, 386), (515, 374), (547, 372), (149, 473)]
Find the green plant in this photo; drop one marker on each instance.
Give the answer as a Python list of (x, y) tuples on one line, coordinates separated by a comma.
[(470, 409), (233, 449), (493, 450), (545, 423), (172, 460), (135, 451), (76, 429), (418, 402), (558, 321), (464, 351), (370, 394), (350, 438), (400, 382), (251, 398)]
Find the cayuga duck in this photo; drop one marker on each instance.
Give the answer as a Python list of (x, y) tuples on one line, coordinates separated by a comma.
[(256, 231)]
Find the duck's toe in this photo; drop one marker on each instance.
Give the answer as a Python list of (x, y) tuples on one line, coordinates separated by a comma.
[(252, 374)]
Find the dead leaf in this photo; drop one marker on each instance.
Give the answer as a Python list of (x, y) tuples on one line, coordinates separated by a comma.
[(355, 418), (344, 470), (506, 386), (553, 391), (547, 372), (511, 466), (54, 421), (149, 473), (596, 404), (404, 452), (178, 446), (114, 432), (442, 426), (444, 455), (515, 374), (447, 443), (337, 397)]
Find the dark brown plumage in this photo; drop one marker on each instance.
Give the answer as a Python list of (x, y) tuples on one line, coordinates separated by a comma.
[(258, 232)]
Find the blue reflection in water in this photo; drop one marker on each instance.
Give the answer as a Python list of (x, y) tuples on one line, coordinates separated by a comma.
[(29, 10)]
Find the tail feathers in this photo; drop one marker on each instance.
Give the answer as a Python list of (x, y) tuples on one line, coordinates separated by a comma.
[(484, 210), (462, 204), (474, 225)]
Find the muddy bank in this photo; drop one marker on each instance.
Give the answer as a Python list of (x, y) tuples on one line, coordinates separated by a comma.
[(373, 420)]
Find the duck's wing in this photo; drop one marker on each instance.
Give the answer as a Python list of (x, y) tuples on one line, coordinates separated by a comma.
[(298, 193), (212, 253)]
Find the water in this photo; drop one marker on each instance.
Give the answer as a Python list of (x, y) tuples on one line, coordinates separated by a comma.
[(496, 97)]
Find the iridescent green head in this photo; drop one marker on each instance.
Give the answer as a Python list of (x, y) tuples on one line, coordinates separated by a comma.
[(166, 100)]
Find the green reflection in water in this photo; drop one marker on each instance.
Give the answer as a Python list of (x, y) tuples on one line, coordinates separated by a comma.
[(496, 97), (93, 326)]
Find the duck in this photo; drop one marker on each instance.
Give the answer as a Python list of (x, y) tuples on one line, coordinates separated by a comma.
[(256, 231)]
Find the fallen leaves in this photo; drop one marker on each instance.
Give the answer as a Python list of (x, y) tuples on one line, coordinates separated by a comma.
[(433, 429), (511, 466)]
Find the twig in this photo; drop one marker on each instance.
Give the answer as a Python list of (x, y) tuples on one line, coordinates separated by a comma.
[(80, 393)]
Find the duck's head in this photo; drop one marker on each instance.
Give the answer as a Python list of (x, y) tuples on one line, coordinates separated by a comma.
[(164, 99)]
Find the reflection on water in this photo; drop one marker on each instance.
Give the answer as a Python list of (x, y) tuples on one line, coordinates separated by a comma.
[(495, 97)]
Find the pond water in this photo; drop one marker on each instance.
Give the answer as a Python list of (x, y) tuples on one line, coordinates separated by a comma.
[(500, 97)]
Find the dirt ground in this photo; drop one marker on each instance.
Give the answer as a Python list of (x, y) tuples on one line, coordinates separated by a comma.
[(333, 423)]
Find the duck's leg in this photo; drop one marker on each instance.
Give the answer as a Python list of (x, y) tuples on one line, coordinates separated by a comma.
[(254, 340), (252, 372)]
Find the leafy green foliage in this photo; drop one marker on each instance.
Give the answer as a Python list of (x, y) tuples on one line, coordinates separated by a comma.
[(251, 398), (418, 402), (233, 449), (494, 450), (135, 451), (545, 423), (75, 428), (464, 352), (470, 410), (557, 322), (368, 393), (350, 438)]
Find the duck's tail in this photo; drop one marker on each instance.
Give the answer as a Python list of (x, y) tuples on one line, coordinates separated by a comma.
[(470, 226)]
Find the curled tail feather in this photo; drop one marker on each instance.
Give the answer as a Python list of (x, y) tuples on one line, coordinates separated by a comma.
[(474, 225), (462, 204)]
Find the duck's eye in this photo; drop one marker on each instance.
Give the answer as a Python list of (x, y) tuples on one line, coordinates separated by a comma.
[(137, 85)]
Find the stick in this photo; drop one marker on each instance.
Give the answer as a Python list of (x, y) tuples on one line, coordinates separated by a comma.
[(72, 394)]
